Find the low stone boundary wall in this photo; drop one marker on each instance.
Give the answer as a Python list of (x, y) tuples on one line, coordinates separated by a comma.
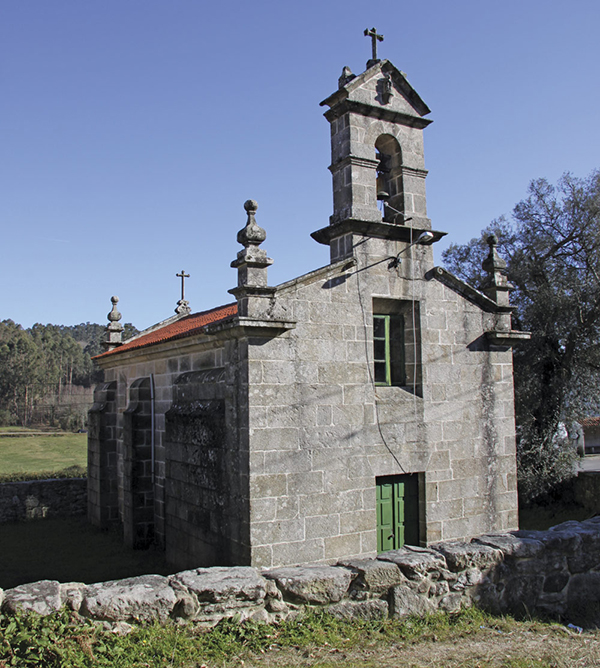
[(37, 499), (555, 572)]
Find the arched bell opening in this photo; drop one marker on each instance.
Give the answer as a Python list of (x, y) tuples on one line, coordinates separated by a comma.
[(389, 186)]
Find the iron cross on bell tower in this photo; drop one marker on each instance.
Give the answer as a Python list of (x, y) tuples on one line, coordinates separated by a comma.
[(374, 39)]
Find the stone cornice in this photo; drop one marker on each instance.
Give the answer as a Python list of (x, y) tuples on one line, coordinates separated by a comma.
[(468, 291), (353, 160), (208, 337), (505, 339), (371, 229), (334, 269), (373, 164), (414, 171), (380, 113), (252, 291)]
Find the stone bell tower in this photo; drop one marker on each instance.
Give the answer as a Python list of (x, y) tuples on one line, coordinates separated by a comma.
[(377, 164)]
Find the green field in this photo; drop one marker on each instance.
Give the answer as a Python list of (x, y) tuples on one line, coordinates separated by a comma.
[(43, 453)]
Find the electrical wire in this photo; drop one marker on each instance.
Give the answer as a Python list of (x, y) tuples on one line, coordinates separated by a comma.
[(369, 367)]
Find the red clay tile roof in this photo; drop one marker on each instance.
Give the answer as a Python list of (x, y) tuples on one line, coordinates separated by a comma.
[(179, 329), (591, 422)]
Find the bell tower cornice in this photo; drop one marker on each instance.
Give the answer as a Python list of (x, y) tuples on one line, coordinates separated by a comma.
[(372, 111)]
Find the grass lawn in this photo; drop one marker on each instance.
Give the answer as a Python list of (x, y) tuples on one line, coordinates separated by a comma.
[(34, 454), (15, 430), (469, 639)]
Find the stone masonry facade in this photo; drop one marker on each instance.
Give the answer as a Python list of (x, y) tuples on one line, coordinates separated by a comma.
[(268, 432)]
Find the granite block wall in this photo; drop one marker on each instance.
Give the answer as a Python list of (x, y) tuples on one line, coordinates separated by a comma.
[(206, 495), (322, 432), (40, 499), (162, 370)]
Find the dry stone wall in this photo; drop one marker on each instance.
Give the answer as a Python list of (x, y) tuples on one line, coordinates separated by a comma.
[(554, 572), (38, 499)]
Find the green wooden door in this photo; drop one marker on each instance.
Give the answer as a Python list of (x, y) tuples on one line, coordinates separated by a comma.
[(385, 517), (397, 511)]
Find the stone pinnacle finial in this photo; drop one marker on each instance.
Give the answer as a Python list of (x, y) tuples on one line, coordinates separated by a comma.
[(345, 77), (496, 285), (251, 261), (114, 315), (114, 329), (493, 261), (252, 234)]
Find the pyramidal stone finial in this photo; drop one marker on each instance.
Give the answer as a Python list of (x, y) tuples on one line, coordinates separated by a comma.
[(496, 285), (345, 77), (493, 262), (114, 329)]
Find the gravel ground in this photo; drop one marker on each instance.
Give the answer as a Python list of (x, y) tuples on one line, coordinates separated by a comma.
[(554, 647)]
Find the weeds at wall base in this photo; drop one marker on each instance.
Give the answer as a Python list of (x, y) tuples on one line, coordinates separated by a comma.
[(69, 472), (65, 639)]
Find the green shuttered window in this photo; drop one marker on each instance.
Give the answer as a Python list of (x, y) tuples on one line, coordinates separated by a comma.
[(388, 349)]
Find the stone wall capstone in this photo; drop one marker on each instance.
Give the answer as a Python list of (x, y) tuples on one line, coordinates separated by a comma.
[(554, 572), (39, 499)]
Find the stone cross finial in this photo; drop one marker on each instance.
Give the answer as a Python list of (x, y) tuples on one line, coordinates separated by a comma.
[(183, 306), (114, 329), (496, 286), (183, 276), (374, 39)]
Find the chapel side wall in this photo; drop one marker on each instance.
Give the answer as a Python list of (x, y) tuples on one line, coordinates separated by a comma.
[(207, 465), (470, 407), (321, 432), (308, 406), (164, 370)]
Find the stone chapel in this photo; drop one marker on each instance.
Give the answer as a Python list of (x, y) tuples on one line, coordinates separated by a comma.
[(365, 405)]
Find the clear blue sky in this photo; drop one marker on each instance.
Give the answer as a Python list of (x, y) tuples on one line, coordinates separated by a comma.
[(132, 132)]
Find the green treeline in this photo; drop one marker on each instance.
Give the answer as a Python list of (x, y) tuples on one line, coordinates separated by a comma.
[(47, 374)]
